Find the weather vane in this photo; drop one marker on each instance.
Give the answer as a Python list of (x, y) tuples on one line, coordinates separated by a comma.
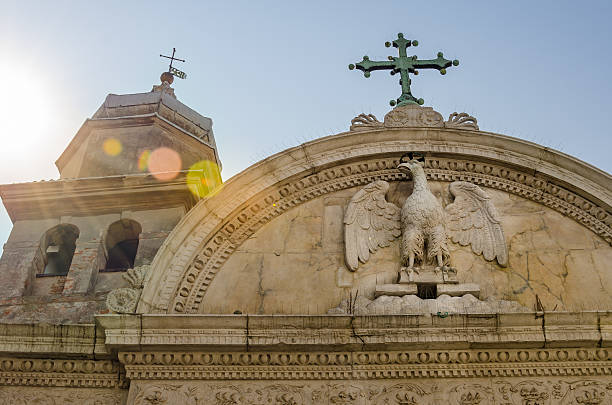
[(172, 70), (404, 65)]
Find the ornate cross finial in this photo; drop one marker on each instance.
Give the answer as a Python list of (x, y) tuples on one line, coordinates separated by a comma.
[(172, 70), (403, 65)]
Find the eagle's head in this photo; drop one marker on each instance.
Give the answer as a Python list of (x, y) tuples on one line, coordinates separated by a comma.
[(413, 166)]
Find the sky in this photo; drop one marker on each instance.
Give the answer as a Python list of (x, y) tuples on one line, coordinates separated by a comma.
[(274, 74)]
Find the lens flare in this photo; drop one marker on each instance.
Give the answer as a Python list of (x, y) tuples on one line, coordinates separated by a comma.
[(204, 178), (164, 163), (112, 146), (143, 160)]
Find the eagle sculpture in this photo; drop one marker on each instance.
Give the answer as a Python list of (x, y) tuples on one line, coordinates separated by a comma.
[(371, 222)]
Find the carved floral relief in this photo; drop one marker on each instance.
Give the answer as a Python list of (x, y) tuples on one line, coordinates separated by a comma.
[(59, 396), (431, 392)]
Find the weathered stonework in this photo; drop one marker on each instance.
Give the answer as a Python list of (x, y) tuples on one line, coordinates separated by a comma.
[(315, 359), (227, 299)]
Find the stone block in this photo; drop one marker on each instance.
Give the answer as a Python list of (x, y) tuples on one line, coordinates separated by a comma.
[(148, 245), (571, 329), (333, 228), (421, 276), (458, 290), (93, 228), (605, 325), (109, 281), (31, 230), (17, 271), (344, 278), (397, 290), (156, 220)]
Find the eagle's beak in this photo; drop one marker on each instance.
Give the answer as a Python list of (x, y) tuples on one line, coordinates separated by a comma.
[(404, 168)]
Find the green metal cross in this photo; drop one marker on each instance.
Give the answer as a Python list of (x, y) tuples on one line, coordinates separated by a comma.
[(403, 65)]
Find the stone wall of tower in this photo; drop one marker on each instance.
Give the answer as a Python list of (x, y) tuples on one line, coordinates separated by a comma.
[(28, 295)]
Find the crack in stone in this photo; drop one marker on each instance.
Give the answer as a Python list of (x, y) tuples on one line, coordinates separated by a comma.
[(260, 290)]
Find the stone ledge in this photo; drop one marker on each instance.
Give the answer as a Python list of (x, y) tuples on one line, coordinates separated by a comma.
[(395, 290), (345, 332), (76, 341), (458, 290)]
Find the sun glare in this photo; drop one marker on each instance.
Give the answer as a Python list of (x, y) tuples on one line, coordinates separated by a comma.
[(25, 110)]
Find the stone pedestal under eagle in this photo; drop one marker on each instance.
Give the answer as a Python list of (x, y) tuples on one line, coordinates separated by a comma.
[(372, 222)]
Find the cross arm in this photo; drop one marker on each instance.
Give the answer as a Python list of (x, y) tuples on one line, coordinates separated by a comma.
[(367, 65), (439, 63)]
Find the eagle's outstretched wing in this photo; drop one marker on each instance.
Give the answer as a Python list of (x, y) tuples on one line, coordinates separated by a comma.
[(472, 219), (370, 222)]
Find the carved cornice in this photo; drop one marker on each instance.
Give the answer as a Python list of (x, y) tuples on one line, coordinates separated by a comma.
[(61, 373), (365, 365), (94, 195), (241, 224)]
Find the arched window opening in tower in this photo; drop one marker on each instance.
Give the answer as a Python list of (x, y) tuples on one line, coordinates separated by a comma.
[(121, 244), (57, 249)]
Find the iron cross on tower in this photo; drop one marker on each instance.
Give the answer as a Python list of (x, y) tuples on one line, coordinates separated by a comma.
[(404, 65), (172, 70)]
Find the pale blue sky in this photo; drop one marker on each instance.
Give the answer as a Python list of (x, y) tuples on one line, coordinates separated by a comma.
[(273, 74)]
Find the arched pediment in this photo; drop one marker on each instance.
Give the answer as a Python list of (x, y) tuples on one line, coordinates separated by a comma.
[(205, 239)]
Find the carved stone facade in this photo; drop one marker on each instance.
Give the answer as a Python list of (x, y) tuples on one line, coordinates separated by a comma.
[(249, 299), (498, 359)]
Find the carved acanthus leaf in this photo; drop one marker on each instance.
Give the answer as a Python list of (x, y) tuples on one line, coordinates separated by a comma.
[(125, 300), (136, 276), (461, 121), (365, 122)]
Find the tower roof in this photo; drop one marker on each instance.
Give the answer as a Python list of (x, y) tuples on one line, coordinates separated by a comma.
[(159, 108)]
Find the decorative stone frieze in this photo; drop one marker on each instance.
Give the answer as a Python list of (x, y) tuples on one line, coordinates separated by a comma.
[(58, 372), (300, 365), (59, 396), (516, 391)]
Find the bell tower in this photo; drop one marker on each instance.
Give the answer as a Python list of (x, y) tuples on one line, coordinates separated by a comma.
[(127, 177)]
